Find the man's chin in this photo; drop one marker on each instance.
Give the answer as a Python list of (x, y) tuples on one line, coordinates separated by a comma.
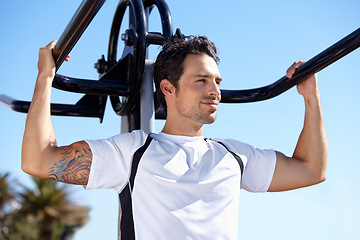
[(210, 119)]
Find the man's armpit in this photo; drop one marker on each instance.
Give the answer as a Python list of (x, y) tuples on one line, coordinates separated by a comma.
[(74, 164)]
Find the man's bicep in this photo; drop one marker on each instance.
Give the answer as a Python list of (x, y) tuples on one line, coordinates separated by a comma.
[(289, 174), (72, 164)]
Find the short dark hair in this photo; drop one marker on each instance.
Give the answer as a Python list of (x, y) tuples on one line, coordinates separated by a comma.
[(170, 61)]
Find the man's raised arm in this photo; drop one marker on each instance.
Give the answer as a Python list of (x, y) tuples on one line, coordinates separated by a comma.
[(41, 157), (307, 166)]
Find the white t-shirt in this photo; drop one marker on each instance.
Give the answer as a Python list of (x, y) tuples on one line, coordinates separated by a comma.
[(185, 187)]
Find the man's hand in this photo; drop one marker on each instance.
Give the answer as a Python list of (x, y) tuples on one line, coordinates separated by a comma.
[(307, 88), (46, 63)]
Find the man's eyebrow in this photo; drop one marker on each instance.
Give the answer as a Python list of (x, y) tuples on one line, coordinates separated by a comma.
[(204, 75)]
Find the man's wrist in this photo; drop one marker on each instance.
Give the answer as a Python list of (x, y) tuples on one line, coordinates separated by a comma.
[(43, 83), (312, 99), (45, 77), (315, 94)]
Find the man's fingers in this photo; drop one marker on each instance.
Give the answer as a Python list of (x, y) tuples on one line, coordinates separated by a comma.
[(291, 70), (46, 62), (52, 44)]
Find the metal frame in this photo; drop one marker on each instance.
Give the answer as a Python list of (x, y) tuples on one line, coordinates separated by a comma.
[(314, 65), (129, 82), (124, 78)]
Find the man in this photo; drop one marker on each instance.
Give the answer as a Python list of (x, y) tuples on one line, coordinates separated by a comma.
[(176, 184)]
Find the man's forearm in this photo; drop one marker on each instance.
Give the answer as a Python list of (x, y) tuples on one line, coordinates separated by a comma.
[(39, 138), (312, 146)]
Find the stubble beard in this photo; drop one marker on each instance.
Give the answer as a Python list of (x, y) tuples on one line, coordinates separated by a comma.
[(197, 113)]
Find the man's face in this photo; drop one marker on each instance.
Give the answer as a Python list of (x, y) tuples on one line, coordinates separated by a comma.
[(198, 93)]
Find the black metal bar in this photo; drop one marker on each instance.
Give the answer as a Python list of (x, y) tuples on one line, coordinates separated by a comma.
[(165, 16), (113, 88), (314, 65), (155, 38), (77, 110), (115, 82), (75, 28), (13, 104)]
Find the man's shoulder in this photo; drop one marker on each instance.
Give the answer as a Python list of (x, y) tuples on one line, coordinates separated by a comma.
[(135, 135), (231, 142), (129, 141)]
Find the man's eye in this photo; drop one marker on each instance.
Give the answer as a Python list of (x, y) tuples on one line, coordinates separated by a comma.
[(201, 80)]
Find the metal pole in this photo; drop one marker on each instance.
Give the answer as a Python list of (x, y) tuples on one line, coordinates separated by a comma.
[(147, 112), (75, 28)]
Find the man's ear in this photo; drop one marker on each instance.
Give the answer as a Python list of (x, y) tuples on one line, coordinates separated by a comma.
[(166, 87)]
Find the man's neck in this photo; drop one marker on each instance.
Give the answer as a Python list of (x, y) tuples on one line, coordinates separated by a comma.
[(183, 129)]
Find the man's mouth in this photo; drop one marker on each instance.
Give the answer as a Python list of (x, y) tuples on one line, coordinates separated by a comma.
[(211, 103)]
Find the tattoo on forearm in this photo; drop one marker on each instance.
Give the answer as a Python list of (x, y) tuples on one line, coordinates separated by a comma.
[(74, 165)]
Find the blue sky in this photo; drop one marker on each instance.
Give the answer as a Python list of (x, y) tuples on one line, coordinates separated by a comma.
[(257, 41)]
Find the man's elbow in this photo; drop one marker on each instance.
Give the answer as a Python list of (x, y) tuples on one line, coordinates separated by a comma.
[(322, 171), (319, 177), (317, 170), (322, 177), (28, 166)]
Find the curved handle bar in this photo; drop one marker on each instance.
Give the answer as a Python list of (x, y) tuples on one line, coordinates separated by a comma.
[(77, 85), (166, 21), (138, 25), (314, 65)]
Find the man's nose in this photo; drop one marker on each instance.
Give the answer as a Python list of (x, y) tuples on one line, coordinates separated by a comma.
[(215, 89)]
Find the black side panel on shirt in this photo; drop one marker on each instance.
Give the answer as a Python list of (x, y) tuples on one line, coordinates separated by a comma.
[(127, 221), (237, 157), (126, 218)]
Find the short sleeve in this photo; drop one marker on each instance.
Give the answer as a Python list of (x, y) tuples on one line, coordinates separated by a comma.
[(111, 160), (259, 165)]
